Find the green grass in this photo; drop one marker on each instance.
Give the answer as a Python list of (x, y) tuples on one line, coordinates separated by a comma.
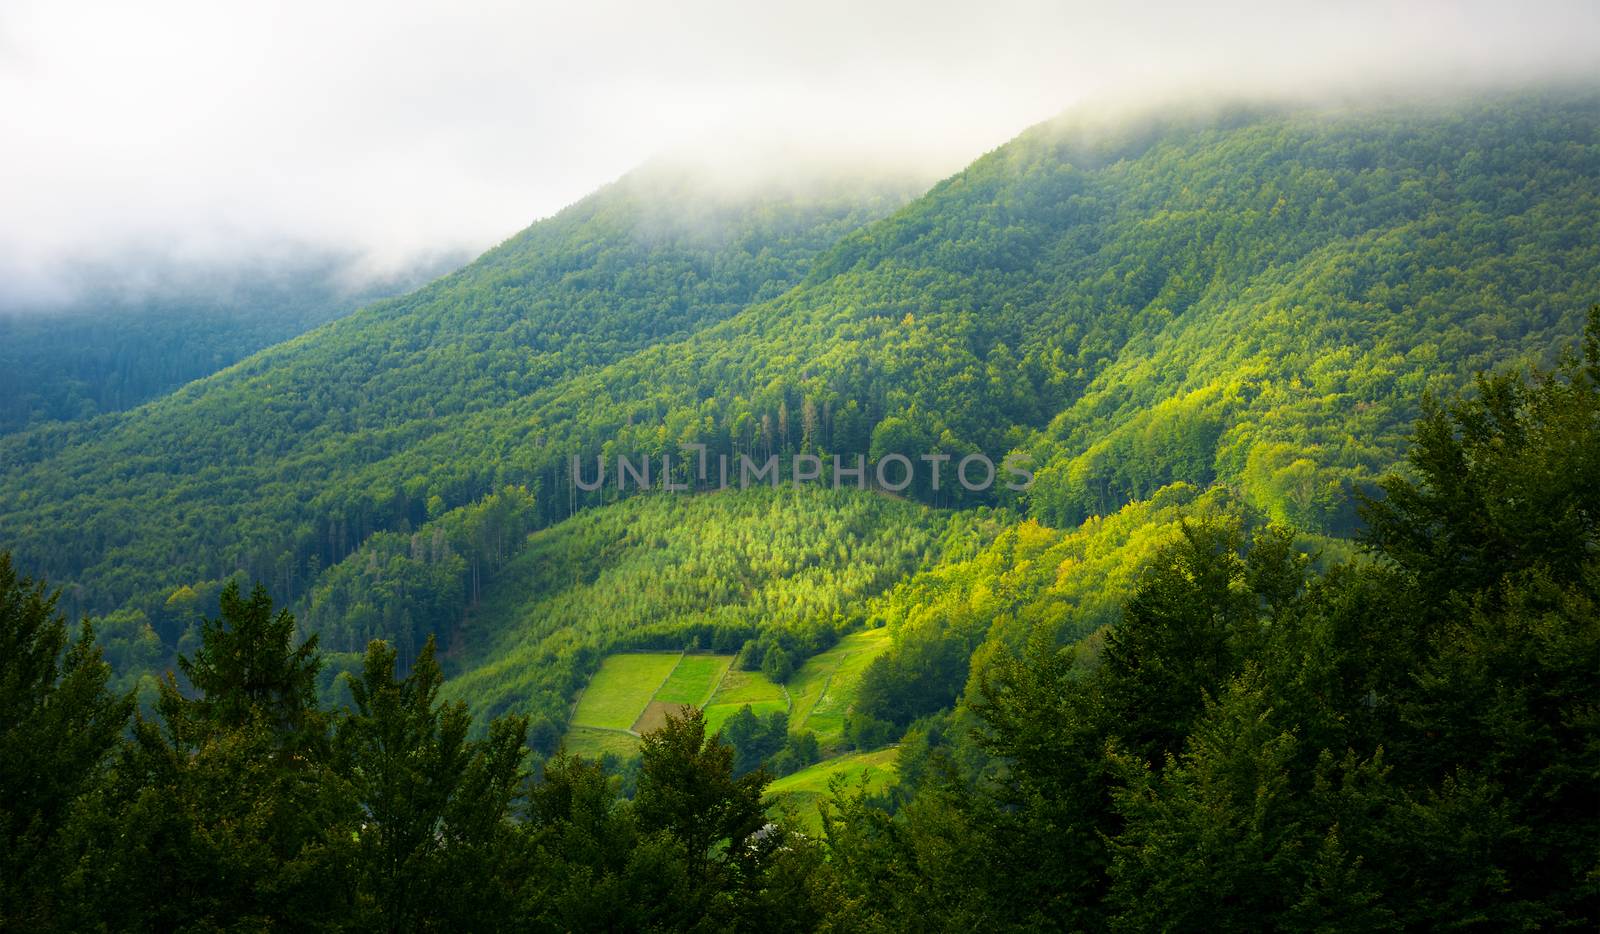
[(809, 788), (621, 689), (694, 679), (739, 688), (826, 685), (594, 743), (634, 691)]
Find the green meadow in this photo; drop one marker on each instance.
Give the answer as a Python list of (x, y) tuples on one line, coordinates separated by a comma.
[(826, 685), (744, 687), (634, 691), (622, 688), (808, 788), (594, 743), (694, 679)]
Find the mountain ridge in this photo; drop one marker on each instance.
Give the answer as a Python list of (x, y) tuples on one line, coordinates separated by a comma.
[(1220, 303)]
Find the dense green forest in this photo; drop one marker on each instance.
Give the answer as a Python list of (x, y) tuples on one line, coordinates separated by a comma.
[(1246, 296), (114, 346), (263, 487), (1295, 627), (1264, 739)]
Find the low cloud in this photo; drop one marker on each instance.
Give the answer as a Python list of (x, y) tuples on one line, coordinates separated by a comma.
[(391, 129)]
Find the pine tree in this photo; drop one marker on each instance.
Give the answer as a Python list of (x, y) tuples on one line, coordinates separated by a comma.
[(434, 803), (57, 723)]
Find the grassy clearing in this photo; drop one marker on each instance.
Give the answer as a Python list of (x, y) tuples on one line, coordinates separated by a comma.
[(635, 691), (691, 684), (594, 743), (826, 685), (693, 681), (739, 688), (654, 716), (621, 689), (808, 788)]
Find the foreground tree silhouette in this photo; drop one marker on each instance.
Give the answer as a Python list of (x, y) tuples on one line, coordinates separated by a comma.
[(591, 869), (225, 811), (57, 722), (1501, 482), (247, 667), (687, 790), (434, 803)]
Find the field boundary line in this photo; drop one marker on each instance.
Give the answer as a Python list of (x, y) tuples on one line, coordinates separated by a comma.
[(670, 672), (605, 729), (713, 691), (718, 686), (646, 708), (823, 691)]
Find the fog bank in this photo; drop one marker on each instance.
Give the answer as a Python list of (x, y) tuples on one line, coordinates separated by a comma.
[(387, 130)]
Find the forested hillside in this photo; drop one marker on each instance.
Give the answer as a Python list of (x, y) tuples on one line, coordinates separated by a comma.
[(1249, 297), (788, 570), (1246, 296), (527, 619), (1184, 298), (260, 468), (119, 344), (1265, 739)]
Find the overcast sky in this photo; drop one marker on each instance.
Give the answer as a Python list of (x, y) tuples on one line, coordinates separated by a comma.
[(209, 128)]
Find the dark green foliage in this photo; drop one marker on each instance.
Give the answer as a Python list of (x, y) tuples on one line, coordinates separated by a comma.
[(57, 723), (924, 673), (756, 739), (1406, 743), (777, 665), (434, 803), (247, 667), (798, 751), (1503, 484), (1178, 641), (694, 850), (592, 868), (737, 863), (407, 588), (688, 789), (226, 810), (248, 806), (1047, 719), (862, 730)]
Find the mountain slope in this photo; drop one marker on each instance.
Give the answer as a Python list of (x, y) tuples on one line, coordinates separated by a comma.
[(240, 471), (1233, 296)]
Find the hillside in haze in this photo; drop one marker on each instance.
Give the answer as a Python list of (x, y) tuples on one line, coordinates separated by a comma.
[(1243, 296), (1296, 621), (273, 442), (141, 328)]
